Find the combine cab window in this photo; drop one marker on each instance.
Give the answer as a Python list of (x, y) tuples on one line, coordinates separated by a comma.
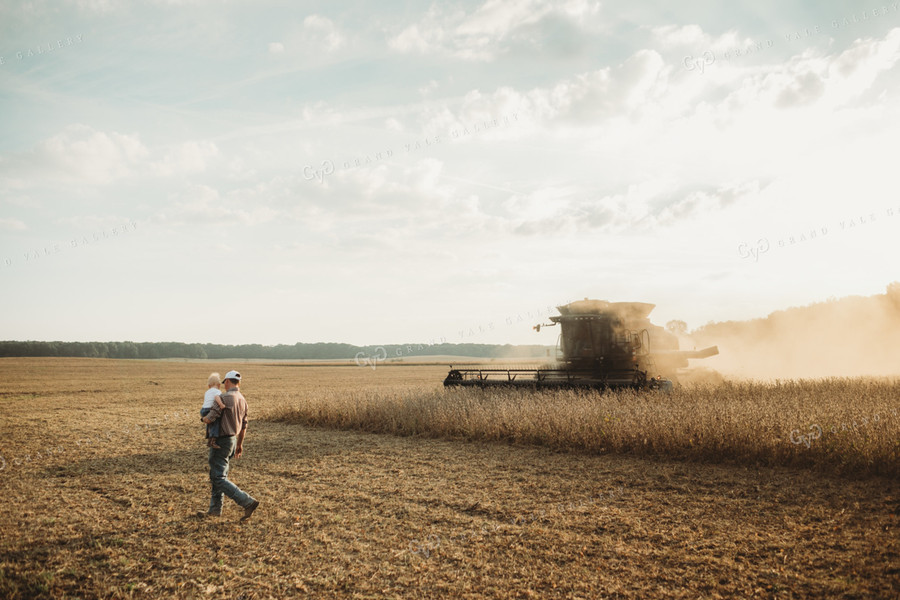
[(585, 338)]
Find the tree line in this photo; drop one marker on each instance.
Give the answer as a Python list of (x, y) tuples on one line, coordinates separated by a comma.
[(318, 350)]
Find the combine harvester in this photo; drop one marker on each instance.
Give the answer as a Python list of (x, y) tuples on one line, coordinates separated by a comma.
[(601, 345)]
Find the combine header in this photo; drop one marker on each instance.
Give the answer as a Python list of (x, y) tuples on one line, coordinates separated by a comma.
[(601, 345)]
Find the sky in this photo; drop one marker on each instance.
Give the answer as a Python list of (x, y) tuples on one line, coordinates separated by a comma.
[(282, 172)]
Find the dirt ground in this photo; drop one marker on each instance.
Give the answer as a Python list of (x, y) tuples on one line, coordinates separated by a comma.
[(103, 468)]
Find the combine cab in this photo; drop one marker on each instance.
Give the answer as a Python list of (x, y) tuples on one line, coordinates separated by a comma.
[(601, 345)]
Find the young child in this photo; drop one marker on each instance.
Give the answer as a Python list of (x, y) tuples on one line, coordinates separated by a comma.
[(209, 398)]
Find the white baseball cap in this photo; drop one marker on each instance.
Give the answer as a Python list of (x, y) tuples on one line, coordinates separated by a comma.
[(232, 375)]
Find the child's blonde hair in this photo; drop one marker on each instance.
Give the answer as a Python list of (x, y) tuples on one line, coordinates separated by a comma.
[(214, 379)]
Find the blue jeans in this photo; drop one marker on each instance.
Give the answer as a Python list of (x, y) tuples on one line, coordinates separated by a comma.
[(218, 476), (212, 429)]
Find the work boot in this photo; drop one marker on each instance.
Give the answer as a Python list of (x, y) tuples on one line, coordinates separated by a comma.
[(205, 513), (249, 510)]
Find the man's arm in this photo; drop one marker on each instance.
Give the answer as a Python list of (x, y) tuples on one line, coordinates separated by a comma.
[(240, 443), (240, 437), (214, 413)]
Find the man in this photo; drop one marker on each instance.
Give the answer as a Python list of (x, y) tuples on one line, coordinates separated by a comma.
[(232, 428)]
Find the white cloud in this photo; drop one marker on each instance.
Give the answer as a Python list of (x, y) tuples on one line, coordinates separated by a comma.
[(204, 205), (694, 41), (88, 223), (819, 83), (187, 157), (428, 88), (321, 32), (639, 85), (644, 115), (99, 6), (855, 70), (645, 97), (393, 125), (12, 225), (693, 203), (681, 36), (644, 206), (491, 29), (596, 154), (83, 154), (80, 154)]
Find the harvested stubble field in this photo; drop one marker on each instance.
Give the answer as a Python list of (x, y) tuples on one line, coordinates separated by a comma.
[(698, 494)]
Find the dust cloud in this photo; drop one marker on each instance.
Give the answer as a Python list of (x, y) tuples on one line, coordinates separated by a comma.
[(851, 336)]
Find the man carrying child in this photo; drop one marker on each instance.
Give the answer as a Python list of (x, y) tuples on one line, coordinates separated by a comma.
[(229, 443)]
